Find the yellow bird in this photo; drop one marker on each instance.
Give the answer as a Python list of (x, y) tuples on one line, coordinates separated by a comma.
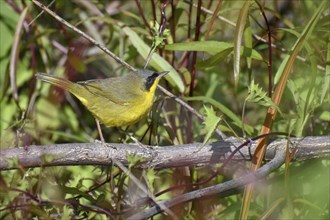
[(116, 101)]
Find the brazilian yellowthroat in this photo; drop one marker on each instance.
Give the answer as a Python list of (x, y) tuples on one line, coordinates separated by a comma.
[(116, 101)]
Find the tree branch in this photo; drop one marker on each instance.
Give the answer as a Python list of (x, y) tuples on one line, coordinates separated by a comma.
[(276, 162), (157, 157)]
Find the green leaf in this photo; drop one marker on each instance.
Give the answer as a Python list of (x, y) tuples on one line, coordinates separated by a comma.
[(158, 38), (157, 62), (75, 191), (204, 46), (134, 159), (151, 178), (212, 47), (226, 111), (214, 59), (240, 26), (248, 41), (14, 53), (211, 123), (257, 95), (67, 213), (325, 116)]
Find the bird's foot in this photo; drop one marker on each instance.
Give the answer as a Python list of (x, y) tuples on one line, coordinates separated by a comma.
[(104, 144), (138, 143)]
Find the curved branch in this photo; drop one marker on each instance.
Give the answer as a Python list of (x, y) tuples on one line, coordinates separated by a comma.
[(276, 162), (157, 157)]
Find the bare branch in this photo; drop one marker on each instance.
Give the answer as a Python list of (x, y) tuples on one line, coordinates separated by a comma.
[(276, 162), (157, 157)]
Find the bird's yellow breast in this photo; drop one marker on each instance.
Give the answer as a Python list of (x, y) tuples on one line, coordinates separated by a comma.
[(116, 115)]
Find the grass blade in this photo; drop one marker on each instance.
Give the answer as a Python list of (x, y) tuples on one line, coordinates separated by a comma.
[(14, 54), (243, 14)]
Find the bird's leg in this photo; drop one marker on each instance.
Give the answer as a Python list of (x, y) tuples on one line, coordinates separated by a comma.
[(136, 141), (104, 145), (100, 131)]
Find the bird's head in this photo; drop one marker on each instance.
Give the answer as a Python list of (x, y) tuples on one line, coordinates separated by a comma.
[(151, 78)]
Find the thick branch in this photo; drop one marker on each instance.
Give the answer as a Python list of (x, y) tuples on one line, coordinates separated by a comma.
[(158, 157)]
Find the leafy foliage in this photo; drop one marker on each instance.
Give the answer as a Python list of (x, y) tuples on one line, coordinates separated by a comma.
[(211, 123), (257, 95)]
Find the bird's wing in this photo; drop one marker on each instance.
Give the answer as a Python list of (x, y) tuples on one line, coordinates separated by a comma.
[(112, 89)]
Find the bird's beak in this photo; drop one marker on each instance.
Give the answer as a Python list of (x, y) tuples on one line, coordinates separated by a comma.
[(161, 74)]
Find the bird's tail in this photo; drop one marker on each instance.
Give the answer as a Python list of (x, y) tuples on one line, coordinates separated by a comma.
[(55, 80)]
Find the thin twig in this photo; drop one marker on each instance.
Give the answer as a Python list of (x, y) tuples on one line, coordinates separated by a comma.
[(34, 19), (270, 51), (209, 28), (142, 14)]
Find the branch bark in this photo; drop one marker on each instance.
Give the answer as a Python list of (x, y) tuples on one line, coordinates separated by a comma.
[(157, 157)]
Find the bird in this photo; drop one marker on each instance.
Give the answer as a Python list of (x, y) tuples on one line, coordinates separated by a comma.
[(115, 101)]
